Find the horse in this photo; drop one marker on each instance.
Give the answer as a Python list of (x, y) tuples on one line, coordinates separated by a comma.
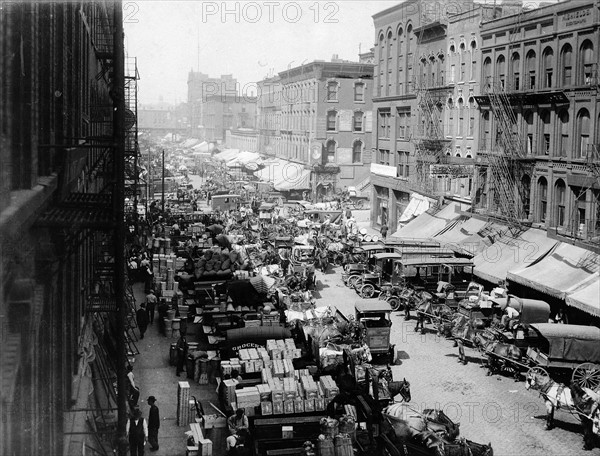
[(572, 398), (504, 351)]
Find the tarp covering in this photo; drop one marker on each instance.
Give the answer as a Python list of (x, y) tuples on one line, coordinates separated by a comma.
[(462, 230), (227, 155), (574, 343), (427, 225), (245, 158), (203, 147), (565, 267), (483, 238), (416, 206), (510, 254), (285, 175), (190, 142), (587, 296)]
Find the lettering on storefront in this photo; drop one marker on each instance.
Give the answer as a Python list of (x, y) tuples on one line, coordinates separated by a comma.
[(576, 17)]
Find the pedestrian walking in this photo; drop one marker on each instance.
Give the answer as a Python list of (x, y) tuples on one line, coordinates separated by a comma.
[(137, 431), (384, 230), (151, 305), (181, 354), (141, 317), (153, 424), (134, 391)]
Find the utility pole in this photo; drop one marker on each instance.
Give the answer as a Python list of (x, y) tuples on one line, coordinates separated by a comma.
[(163, 181), (119, 211)]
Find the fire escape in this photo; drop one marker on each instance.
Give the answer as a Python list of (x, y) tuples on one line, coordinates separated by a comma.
[(431, 145), (93, 214), (505, 162)]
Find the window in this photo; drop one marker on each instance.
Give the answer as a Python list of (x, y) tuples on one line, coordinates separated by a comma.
[(564, 145), (583, 133), (358, 121), (403, 124), (384, 124), (331, 120), (384, 157), (452, 73), (357, 152), (359, 92), (332, 91), (471, 127), (402, 164), (463, 67), (566, 55), (543, 193), (529, 124), (330, 149), (500, 72), (450, 117), (410, 38), (548, 61), (545, 117), (587, 57), (526, 188), (559, 196), (461, 117), (516, 71), (531, 64), (487, 70)]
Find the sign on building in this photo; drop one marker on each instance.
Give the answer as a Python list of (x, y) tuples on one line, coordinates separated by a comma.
[(345, 120)]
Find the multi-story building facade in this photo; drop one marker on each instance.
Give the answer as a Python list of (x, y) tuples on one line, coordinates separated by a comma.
[(319, 114), (200, 87), (245, 139), (544, 63), (226, 112), (160, 121), (58, 144), (426, 80)]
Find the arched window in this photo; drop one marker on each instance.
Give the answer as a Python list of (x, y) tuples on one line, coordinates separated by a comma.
[(331, 120), (487, 70), (473, 47), (515, 71), (409, 38), (526, 192), (388, 74), (563, 138), (450, 117), (330, 148), (401, 62), (357, 148), (566, 68), (560, 191), (546, 132), (548, 62), (472, 113), (500, 72), (485, 129), (332, 90), (583, 133), (543, 198), (587, 62), (529, 124), (531, 62), (357, 123), (461, 117)]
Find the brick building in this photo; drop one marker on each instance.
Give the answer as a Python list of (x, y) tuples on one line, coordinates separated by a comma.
[(226, 112), (319, 115), (60, 72)]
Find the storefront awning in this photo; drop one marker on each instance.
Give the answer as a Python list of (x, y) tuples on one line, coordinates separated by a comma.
[(455, 236), (244, 158), (227, 155), (427, 226), (285, 175), (416, 206), (510, 254), (564, 268), (587, 296)]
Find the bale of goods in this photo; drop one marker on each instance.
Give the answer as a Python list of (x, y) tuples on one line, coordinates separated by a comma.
[(176, 324), (329, 427), (347, 424)]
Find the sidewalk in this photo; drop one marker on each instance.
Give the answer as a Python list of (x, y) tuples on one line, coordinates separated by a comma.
[(155, 377)]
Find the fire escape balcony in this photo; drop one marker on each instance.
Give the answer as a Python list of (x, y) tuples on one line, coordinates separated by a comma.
[(81, 211)]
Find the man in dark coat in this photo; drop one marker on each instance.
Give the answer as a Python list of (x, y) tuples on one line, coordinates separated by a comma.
[(137, 430), (153, 423), (141, 316), (181, 354)]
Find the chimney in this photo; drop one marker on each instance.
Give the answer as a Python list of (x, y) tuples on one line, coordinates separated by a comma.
[(335, 57)]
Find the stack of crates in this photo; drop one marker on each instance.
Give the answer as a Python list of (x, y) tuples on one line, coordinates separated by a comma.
[(183, 403)]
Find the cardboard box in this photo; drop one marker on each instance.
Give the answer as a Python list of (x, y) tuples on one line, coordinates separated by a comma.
[(298, 405), (287, 432), (277, 407), (309, 405), (319, 404), (266, 408), (288, 407)]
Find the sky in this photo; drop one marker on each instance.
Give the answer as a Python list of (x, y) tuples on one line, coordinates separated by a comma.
[(247, 39)]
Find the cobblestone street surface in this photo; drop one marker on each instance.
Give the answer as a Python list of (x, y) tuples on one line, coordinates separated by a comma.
[(492, 409)]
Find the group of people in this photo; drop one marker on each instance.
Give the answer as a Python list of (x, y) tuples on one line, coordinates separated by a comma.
[(139, 431)]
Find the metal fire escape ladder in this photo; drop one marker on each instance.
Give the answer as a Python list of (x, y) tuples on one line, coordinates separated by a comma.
[(504, 162)]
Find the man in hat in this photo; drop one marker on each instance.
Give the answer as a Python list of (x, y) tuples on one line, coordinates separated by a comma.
[(181, 354), (141, 317), (153, 423), (151, 305), (137, 431)]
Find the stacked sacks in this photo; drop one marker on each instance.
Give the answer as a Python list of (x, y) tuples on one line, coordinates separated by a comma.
[(219, 263)]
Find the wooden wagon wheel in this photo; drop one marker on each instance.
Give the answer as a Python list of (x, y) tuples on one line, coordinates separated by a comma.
[(587, 375), (541, 375)]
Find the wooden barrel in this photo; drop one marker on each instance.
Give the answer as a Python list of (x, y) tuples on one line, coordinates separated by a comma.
[(168, 324), (326, 447), (176, 324)]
